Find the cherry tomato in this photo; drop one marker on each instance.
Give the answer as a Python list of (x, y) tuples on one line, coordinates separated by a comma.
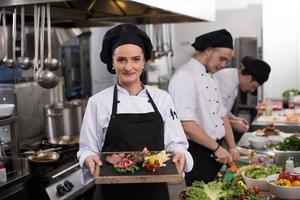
[(283, 175), (290, 177), (243, 197), (255, 189)]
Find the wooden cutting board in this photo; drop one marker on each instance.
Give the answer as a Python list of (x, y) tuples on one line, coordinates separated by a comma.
[(106, 174)]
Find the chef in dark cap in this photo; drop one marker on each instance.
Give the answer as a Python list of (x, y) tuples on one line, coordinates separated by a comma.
[(130, 116), (196, 95), (252, 74)]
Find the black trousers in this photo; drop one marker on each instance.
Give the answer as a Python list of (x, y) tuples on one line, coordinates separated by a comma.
[(205, 167)]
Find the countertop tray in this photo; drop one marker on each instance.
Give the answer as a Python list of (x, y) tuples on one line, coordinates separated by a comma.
[(106, 174)]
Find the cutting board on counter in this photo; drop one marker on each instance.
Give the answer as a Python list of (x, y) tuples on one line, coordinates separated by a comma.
[(106, 174)]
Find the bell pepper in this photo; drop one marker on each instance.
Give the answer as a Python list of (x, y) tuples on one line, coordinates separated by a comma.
[(154, 167), (283, 182), (296, 183), (242, 185)]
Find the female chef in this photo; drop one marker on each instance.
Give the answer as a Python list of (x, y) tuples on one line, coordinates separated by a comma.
[(129, 116)]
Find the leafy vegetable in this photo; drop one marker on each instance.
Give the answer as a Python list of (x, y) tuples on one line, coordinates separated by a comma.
[(210, 191), (291, 143), (258, 172), (287, 92), (234, 191), (126, 170)]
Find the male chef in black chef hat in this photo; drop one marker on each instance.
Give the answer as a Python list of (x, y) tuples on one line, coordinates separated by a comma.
[(197, 98), (254, 74)]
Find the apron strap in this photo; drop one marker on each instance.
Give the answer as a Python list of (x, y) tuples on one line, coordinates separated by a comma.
[(152, 102), (115, 101)]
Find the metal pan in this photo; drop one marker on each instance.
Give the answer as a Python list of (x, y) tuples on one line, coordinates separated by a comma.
[(44, 157), (65, 140)]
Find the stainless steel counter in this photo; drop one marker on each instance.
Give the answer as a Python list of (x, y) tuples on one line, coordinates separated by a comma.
[(282, 126)]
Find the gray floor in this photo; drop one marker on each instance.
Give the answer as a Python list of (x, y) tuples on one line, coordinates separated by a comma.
[(175, 189)]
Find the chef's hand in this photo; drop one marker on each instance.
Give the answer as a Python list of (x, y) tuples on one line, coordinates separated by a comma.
[(240, 126), (180, 159), (91, 162), (223, 156), (234, 153)]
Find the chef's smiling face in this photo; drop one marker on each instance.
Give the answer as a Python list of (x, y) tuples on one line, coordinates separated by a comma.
[(217, 58), (128, 61)]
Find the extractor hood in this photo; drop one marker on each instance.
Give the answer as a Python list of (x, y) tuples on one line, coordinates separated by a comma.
[(89, 13)]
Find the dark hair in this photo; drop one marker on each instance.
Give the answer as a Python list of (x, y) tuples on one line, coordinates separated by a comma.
[(245, 72)]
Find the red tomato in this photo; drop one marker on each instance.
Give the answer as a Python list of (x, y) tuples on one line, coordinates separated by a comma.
[(255, 189), (297, 178), (243, 197), (283, 175), (290, 177)]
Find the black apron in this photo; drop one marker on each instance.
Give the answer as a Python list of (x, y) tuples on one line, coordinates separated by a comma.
[(133, 132), (205, 166)]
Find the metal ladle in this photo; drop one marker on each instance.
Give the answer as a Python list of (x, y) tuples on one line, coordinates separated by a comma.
[(50, 63), (24, 62), (45, 78), (8, 62)]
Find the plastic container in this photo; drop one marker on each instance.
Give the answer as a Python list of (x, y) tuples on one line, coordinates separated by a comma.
[(289, 165), (3, 177), (291, 104)]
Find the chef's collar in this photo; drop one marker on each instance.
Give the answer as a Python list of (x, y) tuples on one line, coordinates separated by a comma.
[(199, 66), (125, 91)]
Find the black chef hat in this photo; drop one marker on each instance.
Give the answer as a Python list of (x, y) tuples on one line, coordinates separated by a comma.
[(219, 38), (120, 35), (258, 69)]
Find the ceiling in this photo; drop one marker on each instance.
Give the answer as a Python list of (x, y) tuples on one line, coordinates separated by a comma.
[(89, 13)]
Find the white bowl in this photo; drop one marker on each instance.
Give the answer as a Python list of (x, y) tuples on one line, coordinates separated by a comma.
[(258, 142), (251, 182), (6, 109), (275, 139), (282, 192)]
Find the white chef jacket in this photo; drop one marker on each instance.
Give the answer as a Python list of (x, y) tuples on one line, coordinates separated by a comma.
[(196, 96), (98, 113), (228, 83)]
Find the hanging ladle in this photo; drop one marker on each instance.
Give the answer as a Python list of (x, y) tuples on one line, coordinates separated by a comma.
[(50, 63), (23, 62), (45, 78), (8, 62)]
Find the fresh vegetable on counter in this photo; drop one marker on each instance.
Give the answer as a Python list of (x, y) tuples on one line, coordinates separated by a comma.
[(288, 180), (261, 172), (210, 191), (217, 190), (291, 143)]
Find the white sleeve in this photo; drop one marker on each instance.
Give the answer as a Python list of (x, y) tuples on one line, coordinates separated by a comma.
[(90, 138), (183, 92), (175, 139)]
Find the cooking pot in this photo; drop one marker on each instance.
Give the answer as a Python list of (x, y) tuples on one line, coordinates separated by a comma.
[(63, 121)]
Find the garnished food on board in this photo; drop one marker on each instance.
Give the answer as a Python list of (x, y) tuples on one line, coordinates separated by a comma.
[(125, 163), (155, 161)]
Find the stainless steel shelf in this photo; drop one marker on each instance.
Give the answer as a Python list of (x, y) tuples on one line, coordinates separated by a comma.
[(9, 120)]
